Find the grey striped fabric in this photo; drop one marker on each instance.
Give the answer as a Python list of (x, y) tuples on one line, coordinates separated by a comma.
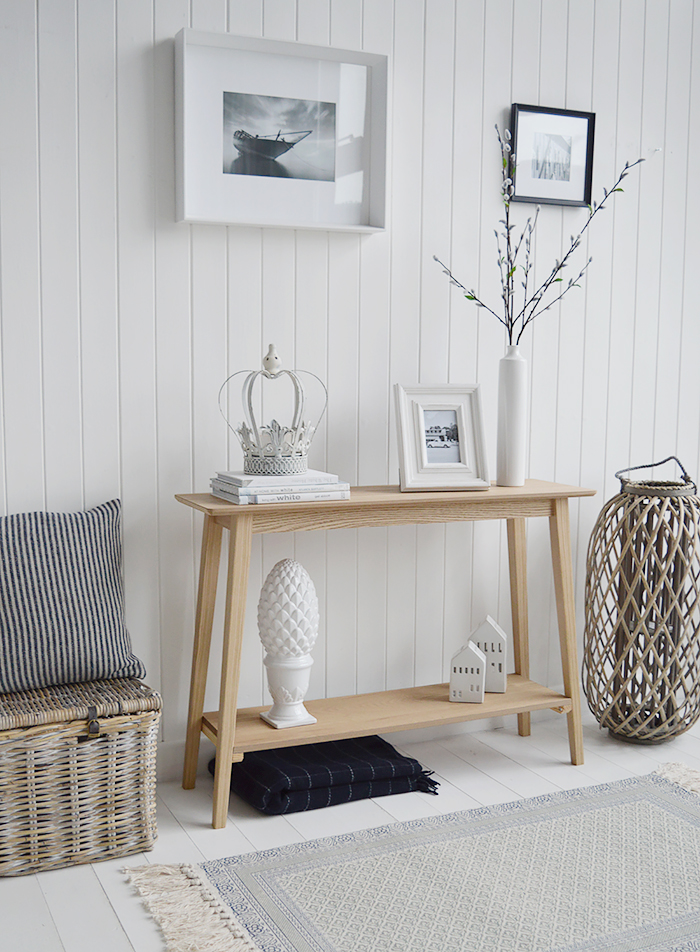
[(61, 599)]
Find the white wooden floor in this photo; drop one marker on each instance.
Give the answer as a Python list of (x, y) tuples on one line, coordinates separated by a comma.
[(92, 909)]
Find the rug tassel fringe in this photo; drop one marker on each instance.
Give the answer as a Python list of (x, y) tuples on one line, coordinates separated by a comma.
[(684, 776), (187, 910)]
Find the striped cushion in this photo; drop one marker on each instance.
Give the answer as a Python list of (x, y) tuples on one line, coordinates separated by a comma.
[(61, 600)]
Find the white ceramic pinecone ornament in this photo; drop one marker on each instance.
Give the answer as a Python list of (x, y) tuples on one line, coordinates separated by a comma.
[(288, 628)]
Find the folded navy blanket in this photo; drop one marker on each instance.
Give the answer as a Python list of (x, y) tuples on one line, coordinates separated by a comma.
[(291, 779)]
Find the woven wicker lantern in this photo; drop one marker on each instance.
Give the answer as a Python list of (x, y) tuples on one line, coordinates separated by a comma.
[(641, 655)]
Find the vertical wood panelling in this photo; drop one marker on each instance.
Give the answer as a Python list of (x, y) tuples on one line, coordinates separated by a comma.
[(245, 17), (136, 296), (461, 246), (438, 120), (346, 23), (525, 88), (311, 304), (311, 353), (570, 394), (59, 254), (596, 347), (646, 301), (676, 102), (688, 420), (342, 439), (245, 350), (279, 281), (375, 415), (405, 175), (550, 339), (488, 540), (554, 224), (97, 198), (20, 293), (279, 19), (210, 341), (569, 401), (313, 21), (118, 325), (179, 530), (623, 300)]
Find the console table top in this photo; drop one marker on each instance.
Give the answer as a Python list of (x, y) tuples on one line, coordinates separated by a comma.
[(366, 498)]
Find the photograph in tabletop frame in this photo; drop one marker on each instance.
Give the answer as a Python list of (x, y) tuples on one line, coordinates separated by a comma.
[(441, 438)]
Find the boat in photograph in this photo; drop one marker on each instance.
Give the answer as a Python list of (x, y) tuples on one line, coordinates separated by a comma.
[(267, 147)]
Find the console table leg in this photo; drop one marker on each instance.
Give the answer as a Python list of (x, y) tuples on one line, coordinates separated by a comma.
[(241, 535), (204, 618), (517, 562), (564, 588)]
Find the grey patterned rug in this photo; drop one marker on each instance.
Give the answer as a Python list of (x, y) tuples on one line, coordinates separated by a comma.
[(614, 867)]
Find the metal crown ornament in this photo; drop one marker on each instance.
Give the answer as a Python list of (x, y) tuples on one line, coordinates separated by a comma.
[(274, 449)]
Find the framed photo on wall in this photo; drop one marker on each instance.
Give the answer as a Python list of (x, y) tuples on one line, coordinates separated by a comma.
[(553, 155), (441, 438), (281, 134)]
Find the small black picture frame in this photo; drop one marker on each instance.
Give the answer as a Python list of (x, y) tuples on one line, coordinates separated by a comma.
[(552, 160)]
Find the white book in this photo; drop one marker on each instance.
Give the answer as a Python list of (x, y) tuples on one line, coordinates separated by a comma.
[(301, 496), (281, 497), (287, 488), (230, 497), (310, 476)]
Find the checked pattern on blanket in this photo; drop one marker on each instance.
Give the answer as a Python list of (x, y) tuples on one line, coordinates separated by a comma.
[(292, 779)]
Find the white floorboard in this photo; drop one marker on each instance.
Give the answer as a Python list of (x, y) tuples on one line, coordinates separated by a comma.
[(27, 923), (82, 912), (89, 908)]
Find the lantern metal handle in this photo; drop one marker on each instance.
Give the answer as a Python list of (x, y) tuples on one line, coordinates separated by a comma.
[(629, 469)]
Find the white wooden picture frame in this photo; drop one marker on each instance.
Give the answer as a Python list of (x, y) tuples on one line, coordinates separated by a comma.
[(441, 438), (234, 98)]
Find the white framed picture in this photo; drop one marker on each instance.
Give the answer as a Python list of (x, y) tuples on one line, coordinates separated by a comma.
[(441, 438), (277, 133)]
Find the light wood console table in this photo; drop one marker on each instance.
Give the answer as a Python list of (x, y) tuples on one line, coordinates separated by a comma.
[(236, 731)]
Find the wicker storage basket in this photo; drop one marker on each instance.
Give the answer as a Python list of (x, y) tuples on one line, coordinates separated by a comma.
[(77, 774), (641, 652)]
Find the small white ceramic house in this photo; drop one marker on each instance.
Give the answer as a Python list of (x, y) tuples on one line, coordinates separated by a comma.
[(467, 674), (490, 638)]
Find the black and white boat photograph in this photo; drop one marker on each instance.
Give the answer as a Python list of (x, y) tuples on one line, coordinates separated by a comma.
[(277, 136)]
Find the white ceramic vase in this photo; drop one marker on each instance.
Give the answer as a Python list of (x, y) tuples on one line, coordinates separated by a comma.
[(512, 418), (288, 628)]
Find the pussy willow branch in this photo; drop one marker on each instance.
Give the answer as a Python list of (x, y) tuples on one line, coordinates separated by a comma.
[(508, 254)]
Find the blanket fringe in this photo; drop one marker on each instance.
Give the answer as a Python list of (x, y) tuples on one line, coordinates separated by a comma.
[(684, 776), (425, 782), (188, 911)]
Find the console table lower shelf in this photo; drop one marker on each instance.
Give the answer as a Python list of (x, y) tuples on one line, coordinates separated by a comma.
[(359, 715)]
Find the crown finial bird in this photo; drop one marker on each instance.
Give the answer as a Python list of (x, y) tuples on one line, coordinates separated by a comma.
[(271, 361)]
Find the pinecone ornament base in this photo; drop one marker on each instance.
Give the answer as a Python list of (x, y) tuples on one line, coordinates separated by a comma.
[(288, 682)]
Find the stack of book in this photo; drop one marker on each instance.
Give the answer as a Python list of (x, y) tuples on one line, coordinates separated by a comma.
[(244, 490)]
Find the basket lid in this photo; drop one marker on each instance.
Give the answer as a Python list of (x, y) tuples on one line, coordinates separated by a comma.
[(657, 487), (76, 702)]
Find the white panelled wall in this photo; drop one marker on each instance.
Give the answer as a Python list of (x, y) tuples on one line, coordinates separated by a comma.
[(118, 325)]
